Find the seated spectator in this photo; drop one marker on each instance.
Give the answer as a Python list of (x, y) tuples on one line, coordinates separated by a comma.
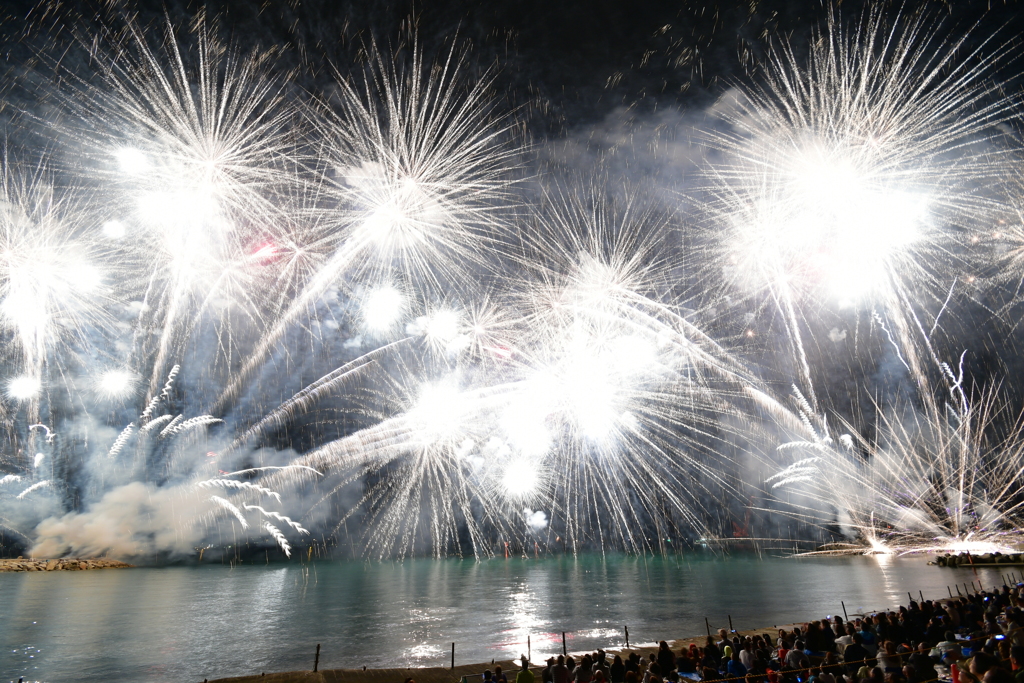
[(888, 660), (796, 659), (981, 662), (1017, 662), (831, 664), (998, 674), (948, 651), (856, 655), (924, 665), (735, 668), (685, 664), (747, 656), (867, 639)]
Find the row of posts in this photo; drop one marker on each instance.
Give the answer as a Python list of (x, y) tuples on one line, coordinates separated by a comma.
[(1010, 578)]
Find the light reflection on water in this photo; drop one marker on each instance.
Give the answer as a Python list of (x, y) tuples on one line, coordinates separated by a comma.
[(191, 623)]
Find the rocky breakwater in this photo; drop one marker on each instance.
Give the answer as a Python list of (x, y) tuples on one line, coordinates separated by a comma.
[(63, 564), (969, 560)]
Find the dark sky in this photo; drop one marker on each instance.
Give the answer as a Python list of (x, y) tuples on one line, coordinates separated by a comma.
[(566, 63)]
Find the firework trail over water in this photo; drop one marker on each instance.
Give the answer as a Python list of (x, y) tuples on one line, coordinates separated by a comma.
[(236, 316)]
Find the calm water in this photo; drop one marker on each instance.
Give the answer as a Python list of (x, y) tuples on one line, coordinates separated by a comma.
[(191, 623)]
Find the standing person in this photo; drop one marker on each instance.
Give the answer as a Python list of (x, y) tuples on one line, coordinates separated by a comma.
[(666, 658), (545, 675), (499, 677), (712, 653), (525, 675), (617, 671), (560, 672)]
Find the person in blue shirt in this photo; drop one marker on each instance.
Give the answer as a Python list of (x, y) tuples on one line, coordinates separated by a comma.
[(735, 667)]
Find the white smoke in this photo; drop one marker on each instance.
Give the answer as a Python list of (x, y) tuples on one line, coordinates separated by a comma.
[(130, 521)]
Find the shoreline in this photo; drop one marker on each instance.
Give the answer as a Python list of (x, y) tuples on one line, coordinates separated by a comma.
[(61, 564), (453, 675)]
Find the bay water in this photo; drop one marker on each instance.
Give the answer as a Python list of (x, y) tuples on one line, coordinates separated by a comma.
[(187, 623)]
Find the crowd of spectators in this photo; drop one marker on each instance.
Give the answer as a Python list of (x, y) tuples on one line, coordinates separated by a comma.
[(977, 638)]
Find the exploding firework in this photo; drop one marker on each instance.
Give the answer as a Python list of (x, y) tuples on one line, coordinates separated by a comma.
[(264, 319), (852, 178), (920, 485)]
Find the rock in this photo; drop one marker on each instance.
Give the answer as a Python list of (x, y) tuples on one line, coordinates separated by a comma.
[(83, 565), (51, 565)]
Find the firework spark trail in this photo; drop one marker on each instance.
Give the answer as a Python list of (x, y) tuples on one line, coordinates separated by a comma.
[(230, 507), (278, 516), (121, 441), (310, 394), (279, 537), (34, 487)]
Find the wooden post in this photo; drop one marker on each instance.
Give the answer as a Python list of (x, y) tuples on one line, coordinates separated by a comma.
[(922, 596), (910, 597), (453, 655), (949, 591), (731, 629), (958, 591), (316, 662), (707, 624), (847, 616), (627, 636), (564, 653), (529, 652)]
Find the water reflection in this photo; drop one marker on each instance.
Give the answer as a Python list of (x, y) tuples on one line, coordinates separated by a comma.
[(186, 623)]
